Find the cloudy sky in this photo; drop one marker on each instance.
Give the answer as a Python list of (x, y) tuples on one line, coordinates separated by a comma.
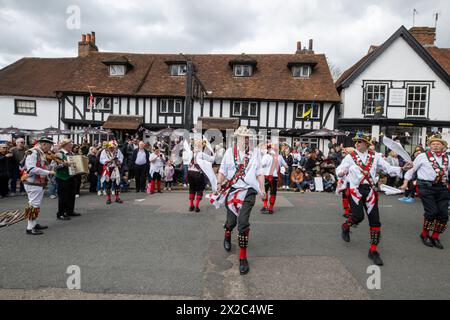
[(342, 29)]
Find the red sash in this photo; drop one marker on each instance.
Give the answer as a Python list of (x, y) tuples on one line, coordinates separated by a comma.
[(365, 168), (440, 170)]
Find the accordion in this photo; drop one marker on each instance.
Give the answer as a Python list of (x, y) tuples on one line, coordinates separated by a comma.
[(78, 165)]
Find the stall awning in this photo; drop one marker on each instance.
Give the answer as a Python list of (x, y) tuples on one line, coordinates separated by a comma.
[(123, 122), (206, 123)]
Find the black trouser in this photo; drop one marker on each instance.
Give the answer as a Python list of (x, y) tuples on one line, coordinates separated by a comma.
[(140, 173), (77, 182), (411, 191), (92, 182), (357, 209), (66, 196), (271, 185), (4, 186), (435, 200), (196, 180), (244, 214)]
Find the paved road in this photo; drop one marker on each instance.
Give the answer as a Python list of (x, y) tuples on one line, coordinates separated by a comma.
[(151, 247)]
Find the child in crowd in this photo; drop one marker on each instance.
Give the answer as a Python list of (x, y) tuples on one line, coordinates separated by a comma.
[(169, 171), (328, 182)]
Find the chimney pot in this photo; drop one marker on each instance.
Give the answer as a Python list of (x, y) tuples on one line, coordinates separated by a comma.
[(310, 44), (299, 47), (93, 37), (83, 38), (88, 38)]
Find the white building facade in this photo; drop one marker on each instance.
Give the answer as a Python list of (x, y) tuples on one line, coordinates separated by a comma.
[(398, 89)]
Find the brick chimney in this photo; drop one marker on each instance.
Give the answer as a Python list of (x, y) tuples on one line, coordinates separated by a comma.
[(425, 35), (87, 45), (304, 50)]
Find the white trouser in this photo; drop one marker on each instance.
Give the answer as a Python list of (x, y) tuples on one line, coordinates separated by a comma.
[(35, 195)]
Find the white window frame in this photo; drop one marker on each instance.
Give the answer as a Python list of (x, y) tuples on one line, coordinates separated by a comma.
[(248, 114), (239, 70), (165, 104), (100, 103), (302, 71), (303, 106), (29, 105), (414, 101), (178, 70), (120, 68), (373, 94)]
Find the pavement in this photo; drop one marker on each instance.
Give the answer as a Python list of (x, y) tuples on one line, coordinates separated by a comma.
[(151, 247)]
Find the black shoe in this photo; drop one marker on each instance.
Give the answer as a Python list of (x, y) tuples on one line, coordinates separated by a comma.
[(437, 243), (243, 266), (375, 257), (34, 232), (345, 234), (427, 241), (39, 227), (197, 209), (159, 191), (227, 243), (64, 218), (74, 214), (270, 211), (263, 210), (191, 208)]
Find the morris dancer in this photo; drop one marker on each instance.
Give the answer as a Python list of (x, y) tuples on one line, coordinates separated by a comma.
[(196, 176), (271, 163), (34, 176), (111, 158), (432, 172), (344, 188), (361, 168), (157, 160), (240, 178)]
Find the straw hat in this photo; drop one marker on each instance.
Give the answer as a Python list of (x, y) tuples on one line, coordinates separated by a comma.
[(64, 142), (243, 131), (361, 136), (436, 137)]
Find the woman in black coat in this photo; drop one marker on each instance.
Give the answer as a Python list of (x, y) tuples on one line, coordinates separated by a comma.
[(92, 155), (5, 169)]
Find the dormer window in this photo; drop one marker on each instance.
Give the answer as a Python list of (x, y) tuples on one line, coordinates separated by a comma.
[(118, 66), (178, 69), (301, 71), (242, 70), (117, 70)]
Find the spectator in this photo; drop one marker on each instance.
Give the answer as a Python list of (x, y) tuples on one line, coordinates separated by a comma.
[(52, 184), (393, 160), (168, 175), (297, 179), (18, 153), (77, 179), (286, 174), (85, 147), (140, 165), (92, 156), (101, 187), (329, 182), (6, 159)]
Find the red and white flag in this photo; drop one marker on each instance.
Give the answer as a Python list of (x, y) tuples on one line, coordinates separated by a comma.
[(91, 102)]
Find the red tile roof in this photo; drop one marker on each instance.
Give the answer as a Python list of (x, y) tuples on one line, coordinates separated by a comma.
[(150, 76), (442, 56)]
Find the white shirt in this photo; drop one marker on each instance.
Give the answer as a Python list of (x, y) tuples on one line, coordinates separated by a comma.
[(157, 163), (267, 161), (106, 156), (203, 156), (228, 168), (140, 158), (424, 169), (355, 175)]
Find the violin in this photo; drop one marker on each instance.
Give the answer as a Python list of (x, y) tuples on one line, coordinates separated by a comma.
[(51, 156)]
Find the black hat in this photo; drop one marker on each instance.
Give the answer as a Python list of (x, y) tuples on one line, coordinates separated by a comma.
[(46, 139)]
